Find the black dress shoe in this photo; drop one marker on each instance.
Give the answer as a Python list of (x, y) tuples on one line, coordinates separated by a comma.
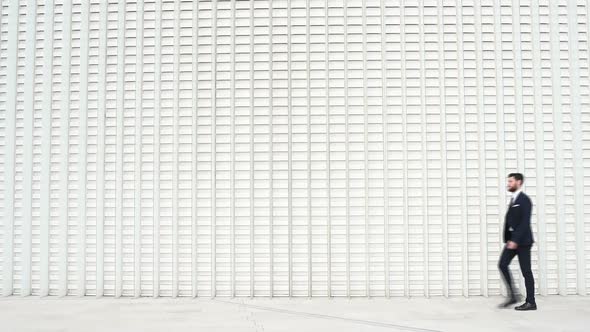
[(526, 306), (508, 302)]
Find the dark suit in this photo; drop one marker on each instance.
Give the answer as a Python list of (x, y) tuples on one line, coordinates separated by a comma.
[(517, 224), (517, 228)]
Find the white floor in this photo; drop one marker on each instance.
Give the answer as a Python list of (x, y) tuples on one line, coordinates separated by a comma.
[(556, 313)]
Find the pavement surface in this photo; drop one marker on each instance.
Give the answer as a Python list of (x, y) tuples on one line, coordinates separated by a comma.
[(52, 314)]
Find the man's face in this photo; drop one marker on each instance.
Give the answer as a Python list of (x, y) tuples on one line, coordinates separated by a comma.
[(513, 184)]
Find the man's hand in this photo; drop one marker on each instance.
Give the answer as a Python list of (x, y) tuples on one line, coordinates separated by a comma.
[(511, 245)]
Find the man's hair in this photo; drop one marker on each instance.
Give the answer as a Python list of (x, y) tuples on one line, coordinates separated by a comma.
[(516, 176)]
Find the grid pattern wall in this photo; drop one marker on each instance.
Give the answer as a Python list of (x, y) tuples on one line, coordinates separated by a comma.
[(290, 148)]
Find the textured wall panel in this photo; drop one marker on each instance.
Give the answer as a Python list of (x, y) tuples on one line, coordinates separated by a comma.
[(290, 148)]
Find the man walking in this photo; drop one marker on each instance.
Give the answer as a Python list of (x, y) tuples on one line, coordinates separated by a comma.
[(519, 240)]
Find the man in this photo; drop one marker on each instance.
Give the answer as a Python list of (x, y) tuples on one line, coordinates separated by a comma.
[(519, 240)]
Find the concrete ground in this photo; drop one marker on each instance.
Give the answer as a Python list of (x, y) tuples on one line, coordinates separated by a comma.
[(555, 313)]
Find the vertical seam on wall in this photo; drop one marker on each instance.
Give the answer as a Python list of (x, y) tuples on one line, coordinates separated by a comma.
[(213, 148), (100, 181), (404, 150), (64, 148), (558, 135), (482, 152), (138, 148), (578, 168), (120, 111), (500, 115), (366, 151), (28, 118), (424, 145), (328, 141), (443, 151), (518, 84), (252, 151), (272, 277), (156, 168), (232, 176), (539, 149), (290, 187), (194, 150), (587, 23), (83, 164), (462, 138), (45, 215), (271, 162), (175, 143), (9, 189), (346, 145), (385, 129), (310, 154), (3, 188)]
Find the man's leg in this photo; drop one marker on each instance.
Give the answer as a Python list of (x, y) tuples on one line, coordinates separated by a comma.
[(505, 259), (524, 259)]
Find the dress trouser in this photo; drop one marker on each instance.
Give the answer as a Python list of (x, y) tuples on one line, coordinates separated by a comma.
[(524, 258)]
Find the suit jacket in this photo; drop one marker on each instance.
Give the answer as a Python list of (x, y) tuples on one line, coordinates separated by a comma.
[(517, 223)]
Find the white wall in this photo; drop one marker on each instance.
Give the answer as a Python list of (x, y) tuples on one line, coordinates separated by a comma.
[(290, 148)]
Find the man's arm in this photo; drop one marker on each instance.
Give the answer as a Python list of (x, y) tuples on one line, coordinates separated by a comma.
[(522, 227)]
